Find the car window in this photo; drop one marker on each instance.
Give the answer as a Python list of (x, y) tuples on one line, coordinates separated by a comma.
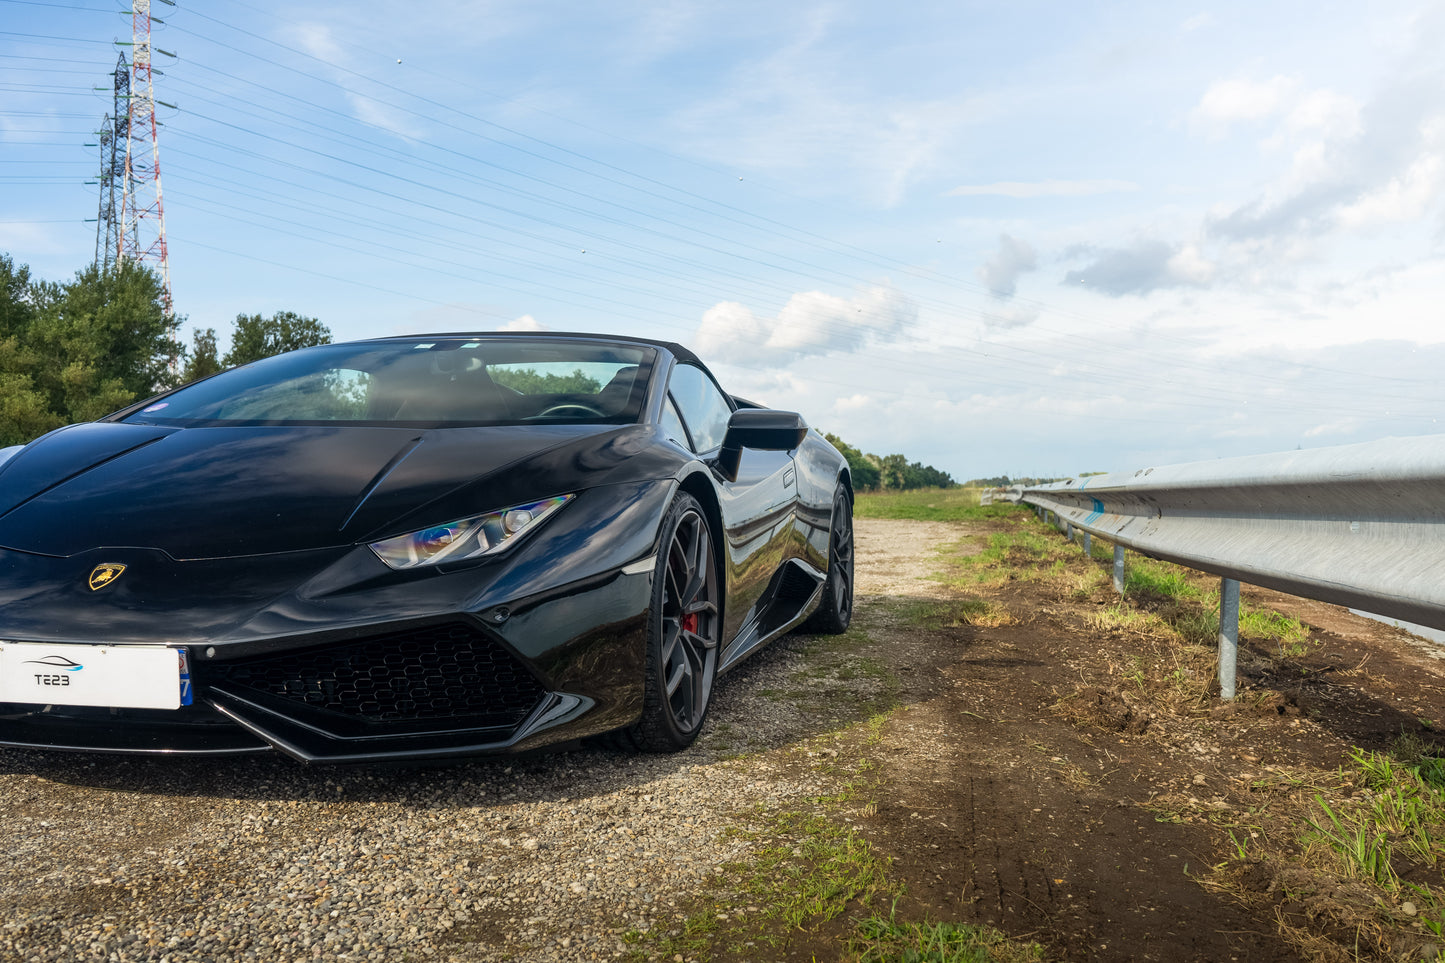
[(441, 382), (329, 394), (704, 409), (672, 424)]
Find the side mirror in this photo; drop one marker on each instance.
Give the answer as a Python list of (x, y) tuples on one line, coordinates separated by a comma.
[(762, 429)]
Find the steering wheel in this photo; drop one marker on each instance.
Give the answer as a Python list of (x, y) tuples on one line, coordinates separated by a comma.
[(571, 408)]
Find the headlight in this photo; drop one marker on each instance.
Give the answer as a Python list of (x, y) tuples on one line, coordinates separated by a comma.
[(465, 538)]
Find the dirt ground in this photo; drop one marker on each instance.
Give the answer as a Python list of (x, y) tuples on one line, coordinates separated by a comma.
[(1023, 784)]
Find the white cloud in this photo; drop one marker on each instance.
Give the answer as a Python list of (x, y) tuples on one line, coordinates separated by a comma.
[(318, 40), (1010, 317), (1051, 188), (1145, 266), (377, 114), (811, 323), (1402, 198), (1001, 272), (1190, 266), (525, 323), (1330, 113), (1229, 102)]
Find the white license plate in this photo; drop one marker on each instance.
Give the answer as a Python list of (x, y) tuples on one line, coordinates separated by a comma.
[(123, 676)]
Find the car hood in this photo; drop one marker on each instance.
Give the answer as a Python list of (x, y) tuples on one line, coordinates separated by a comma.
[(223, 492)]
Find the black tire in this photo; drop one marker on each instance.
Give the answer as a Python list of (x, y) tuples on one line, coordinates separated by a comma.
[(835, 611), (684, 628)]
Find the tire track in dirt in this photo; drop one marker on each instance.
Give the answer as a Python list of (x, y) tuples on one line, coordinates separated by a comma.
[(997, 811)]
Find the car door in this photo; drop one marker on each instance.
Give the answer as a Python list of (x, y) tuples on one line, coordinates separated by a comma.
[(758, 508)]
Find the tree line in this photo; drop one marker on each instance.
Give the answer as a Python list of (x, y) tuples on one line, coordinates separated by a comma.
[(894, 472), (78, 350)]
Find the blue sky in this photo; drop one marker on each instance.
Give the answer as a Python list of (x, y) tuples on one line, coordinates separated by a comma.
[(1027, 238)]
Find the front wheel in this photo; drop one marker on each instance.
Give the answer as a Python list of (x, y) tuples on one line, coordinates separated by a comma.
[(684, 627), (835, 611)]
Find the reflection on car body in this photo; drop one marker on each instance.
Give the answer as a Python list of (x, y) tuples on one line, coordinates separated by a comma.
[(416, 548)]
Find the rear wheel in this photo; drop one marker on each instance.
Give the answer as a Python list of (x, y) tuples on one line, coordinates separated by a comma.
[(835, 611), (684, 627)]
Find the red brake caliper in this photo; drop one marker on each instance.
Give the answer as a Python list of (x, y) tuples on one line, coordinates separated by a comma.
[(689, 623)]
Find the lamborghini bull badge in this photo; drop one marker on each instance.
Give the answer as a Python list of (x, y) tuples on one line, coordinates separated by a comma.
[(105, 573)]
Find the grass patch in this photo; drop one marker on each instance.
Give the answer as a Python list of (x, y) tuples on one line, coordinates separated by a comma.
[(1291, 635), (1353, 857), (931, 505), (806, 870), (1399, 820), (881, 940), (1023, 551), (955, 613), (1160, 579), (814, 871), (1124, 618)]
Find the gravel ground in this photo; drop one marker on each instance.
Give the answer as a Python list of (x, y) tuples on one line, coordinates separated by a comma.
[(549, 857)]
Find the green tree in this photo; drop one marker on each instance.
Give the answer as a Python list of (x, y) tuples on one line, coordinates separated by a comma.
[(119, 312), (529, 381), (15, 307), (77, 351), (24, 414), (863, 471), (256, 337), (893, 472), (202, 360)]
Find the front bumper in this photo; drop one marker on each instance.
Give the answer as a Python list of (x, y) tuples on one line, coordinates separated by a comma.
[(363, 665), (451, 686)]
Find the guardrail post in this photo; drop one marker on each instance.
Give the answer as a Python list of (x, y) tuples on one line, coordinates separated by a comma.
[(1119, 569), (1069, 530), (1088, 545), (1228, 635)]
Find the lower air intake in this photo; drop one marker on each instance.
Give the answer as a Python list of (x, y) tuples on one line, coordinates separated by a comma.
[(443, 672)]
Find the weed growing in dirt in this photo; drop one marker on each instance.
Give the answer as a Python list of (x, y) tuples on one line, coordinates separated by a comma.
[(1355, 855), (882, 940), (1402, 815), (954, 613), (1121, 617)]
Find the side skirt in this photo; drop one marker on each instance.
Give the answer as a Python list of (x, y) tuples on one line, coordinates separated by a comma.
[(791, 598)]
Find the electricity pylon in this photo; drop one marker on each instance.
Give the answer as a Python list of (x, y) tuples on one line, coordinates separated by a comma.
[(142, 220)]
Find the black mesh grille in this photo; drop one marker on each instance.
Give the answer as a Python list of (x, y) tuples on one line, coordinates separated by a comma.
[(441, 672), (794, 583)]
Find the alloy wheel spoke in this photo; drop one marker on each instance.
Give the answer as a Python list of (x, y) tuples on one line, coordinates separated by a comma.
[(697, 566), (680, 671), (699, 606), (671, 635), (689, 623), (696, 648)]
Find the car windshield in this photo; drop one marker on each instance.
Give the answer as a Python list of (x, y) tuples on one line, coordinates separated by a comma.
[(427, 382)]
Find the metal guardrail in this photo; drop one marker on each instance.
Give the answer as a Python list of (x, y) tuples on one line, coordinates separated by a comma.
[(1357, 525)]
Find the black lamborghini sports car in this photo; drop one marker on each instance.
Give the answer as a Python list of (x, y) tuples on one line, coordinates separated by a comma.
[(409, 549)]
